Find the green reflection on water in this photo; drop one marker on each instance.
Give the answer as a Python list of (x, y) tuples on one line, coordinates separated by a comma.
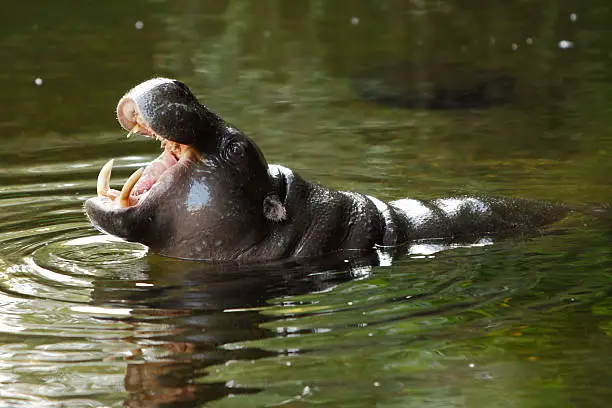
[(101, 323)]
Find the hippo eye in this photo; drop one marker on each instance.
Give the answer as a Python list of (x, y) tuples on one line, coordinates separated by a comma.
[(236, 151)]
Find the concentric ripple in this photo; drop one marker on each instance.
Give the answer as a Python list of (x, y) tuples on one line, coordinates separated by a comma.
[(56, 344), (90, 320)]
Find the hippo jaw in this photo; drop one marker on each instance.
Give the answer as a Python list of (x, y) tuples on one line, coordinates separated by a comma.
[(206, 196)]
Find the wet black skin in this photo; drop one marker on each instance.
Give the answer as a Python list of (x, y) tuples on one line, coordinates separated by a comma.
[(232, 206)]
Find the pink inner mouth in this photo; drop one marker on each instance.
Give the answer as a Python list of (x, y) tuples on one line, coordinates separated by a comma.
[(142, 181), (151, 175)]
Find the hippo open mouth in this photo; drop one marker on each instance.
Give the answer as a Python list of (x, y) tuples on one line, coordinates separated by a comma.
[(143, 180), (132, 115)]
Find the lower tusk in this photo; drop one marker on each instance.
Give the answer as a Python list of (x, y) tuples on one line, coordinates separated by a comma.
[(124, 196), (103, 184)]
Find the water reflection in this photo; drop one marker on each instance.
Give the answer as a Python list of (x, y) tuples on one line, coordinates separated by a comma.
[(339, 91), (187, 310)]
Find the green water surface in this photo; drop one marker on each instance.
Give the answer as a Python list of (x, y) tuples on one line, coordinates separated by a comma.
[(339, 91)]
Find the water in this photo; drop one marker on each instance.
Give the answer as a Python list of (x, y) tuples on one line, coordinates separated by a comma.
[(393, 99)]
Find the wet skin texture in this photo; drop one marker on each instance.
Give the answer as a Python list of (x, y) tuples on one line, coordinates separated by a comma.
[(227, 203)]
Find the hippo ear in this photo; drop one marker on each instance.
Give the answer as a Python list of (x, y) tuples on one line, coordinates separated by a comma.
[(273, 208)]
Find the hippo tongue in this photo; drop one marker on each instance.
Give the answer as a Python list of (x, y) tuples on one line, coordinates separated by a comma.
[(153, 172)]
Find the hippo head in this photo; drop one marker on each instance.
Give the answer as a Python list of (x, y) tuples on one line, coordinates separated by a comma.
[(207, 196)]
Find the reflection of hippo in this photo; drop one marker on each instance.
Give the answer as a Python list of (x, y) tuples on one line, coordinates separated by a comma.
[(211, 195), (181, 319)]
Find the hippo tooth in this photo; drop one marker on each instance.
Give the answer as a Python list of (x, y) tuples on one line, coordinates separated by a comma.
[(190, 154), (135, 129), (104, 178), (124, 196)]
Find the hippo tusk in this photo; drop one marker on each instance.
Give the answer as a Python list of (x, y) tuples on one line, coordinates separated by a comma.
[(124, 195), (135, 129), (103, 185)]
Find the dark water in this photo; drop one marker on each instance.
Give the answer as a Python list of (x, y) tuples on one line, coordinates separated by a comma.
[(391, 98)]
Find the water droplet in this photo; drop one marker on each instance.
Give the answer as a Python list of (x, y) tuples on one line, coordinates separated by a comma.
[(139, 24), (38, 81), (354, 20)]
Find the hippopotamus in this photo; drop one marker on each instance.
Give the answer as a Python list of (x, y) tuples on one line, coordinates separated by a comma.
[(211, 195)]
